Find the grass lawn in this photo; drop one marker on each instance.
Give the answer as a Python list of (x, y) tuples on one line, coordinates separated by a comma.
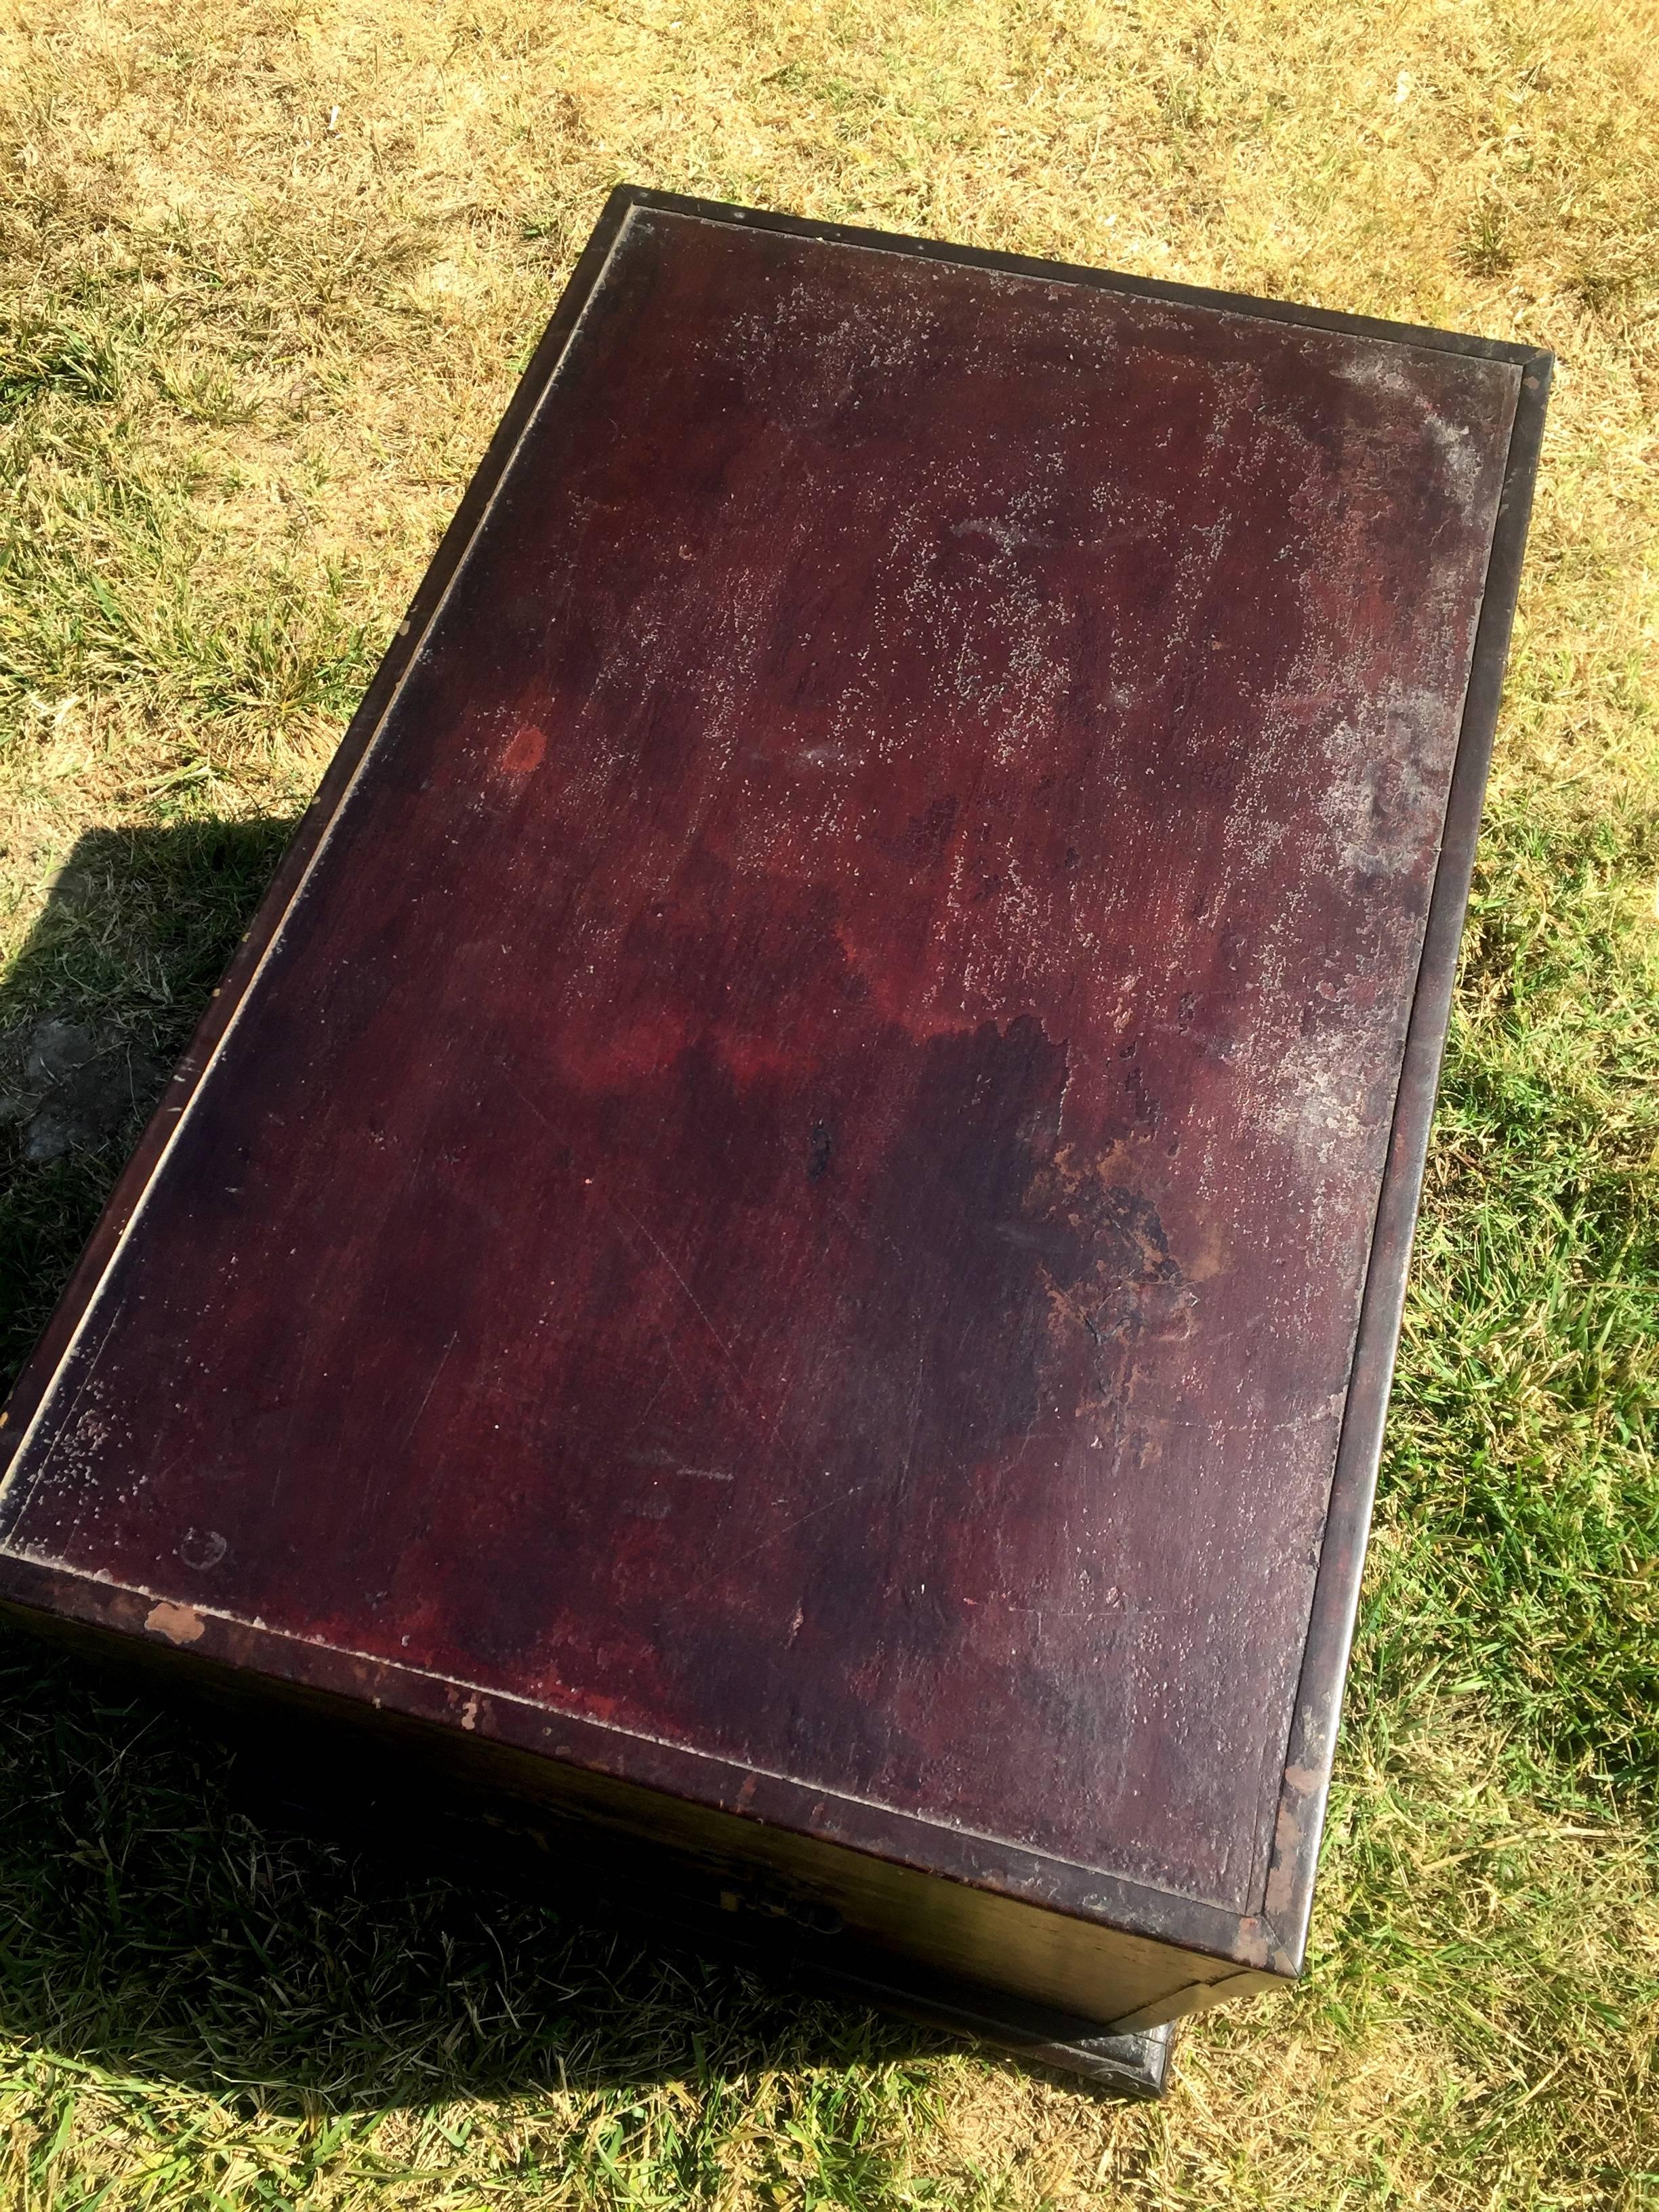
[(268, 269)]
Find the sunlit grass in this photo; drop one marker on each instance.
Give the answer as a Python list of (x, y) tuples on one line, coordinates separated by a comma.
[(269, 272)]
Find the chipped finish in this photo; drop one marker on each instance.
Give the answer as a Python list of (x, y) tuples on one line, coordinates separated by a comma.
[(825, 1102), (180, 1624)]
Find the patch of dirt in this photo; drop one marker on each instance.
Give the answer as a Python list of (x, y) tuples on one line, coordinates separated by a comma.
[(67, 1085)]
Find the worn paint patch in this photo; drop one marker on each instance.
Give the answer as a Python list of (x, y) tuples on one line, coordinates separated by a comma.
[(525, 749), (180, 1624)]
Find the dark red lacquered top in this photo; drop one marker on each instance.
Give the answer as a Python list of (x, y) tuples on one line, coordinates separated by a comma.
[(797, 1179)]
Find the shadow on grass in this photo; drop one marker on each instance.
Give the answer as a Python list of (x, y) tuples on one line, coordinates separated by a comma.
[(94, 1013), (148, 1926)]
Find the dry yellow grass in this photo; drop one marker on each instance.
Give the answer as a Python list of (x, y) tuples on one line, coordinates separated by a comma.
[(269, 272), (322, 242)]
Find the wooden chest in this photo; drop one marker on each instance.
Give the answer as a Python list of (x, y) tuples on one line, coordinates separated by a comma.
[(784, 1244)]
